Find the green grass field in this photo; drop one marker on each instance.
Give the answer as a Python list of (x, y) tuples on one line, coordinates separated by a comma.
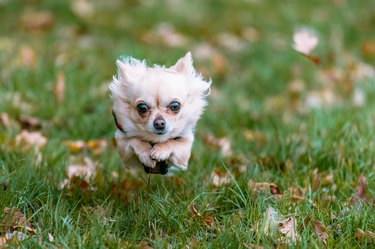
[(274, 116)]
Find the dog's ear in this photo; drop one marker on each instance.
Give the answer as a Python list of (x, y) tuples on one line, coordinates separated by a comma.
[(184, 64), (130, 69)]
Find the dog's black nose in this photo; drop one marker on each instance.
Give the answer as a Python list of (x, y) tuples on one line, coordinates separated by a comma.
[(159, 123)]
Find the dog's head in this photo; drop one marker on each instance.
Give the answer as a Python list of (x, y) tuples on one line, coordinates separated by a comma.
[(158, 103)]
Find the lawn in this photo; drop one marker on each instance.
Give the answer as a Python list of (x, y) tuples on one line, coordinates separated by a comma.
[(283, 156)]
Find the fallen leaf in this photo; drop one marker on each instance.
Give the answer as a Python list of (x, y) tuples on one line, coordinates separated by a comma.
[(231, 42), (144, 244), (75, 146), (83, 8), (358, 98), (219, 64), (4, 120), (28, 140), (321, 231), (368, 48), (86, 171), (59, 88), (27, 56), (367, 236), (321, 98), (264, 187), (250, 34), (96, 147), (360, 193), (3, 241), (34, 21), (30, 123), (220, 178), (51, 238), (204, 51), (13, 221), (224, 144), (305, 40), (255, 136), (327, 180), (288, 228), (208, 220), (193, 210), (166, 34), (315, 180), (270, 221)]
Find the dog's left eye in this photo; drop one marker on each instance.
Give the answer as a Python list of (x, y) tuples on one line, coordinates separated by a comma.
[(174, 106)]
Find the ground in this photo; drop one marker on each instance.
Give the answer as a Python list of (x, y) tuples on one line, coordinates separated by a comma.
[(283, 157)]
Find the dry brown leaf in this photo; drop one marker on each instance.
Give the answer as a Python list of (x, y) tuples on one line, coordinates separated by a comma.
[(368, 48), (13, 217), (193, 211), (42, 20), (327, 180), (30, 123), (321, 231), (208, 220), (360, 193), (96, 147), (231, 42), (28, 140), (368, 235), (315, 180), (288, 228), (219, 64), (255, 136), (74, 183), (4, 120), (166, 34), (75, 146), (144, 245), (220, 178), (3, 241), (27, 56), (264, 187), (83, 8), (224, 144), (250, 34), (14, 221), (59, 88), (86, 171)]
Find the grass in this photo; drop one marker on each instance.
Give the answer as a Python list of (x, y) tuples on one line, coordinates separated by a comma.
[(253, 74)]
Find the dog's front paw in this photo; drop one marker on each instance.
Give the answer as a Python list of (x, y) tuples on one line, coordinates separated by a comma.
[(147, 161), (159, 153)]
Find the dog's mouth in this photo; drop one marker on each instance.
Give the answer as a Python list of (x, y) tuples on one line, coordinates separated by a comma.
[(160, 133)]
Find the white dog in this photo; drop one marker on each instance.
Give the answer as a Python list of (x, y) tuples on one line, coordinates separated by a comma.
[(156, 109)]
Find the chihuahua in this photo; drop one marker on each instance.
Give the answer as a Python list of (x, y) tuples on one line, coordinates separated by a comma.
[(156, 109)]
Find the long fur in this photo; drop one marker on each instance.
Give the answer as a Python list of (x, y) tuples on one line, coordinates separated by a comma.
[(157, 86)]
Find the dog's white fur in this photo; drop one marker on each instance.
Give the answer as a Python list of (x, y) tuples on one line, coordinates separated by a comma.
[(157, 86)]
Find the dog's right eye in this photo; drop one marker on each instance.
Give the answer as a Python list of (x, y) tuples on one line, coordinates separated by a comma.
[(142, 108)]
